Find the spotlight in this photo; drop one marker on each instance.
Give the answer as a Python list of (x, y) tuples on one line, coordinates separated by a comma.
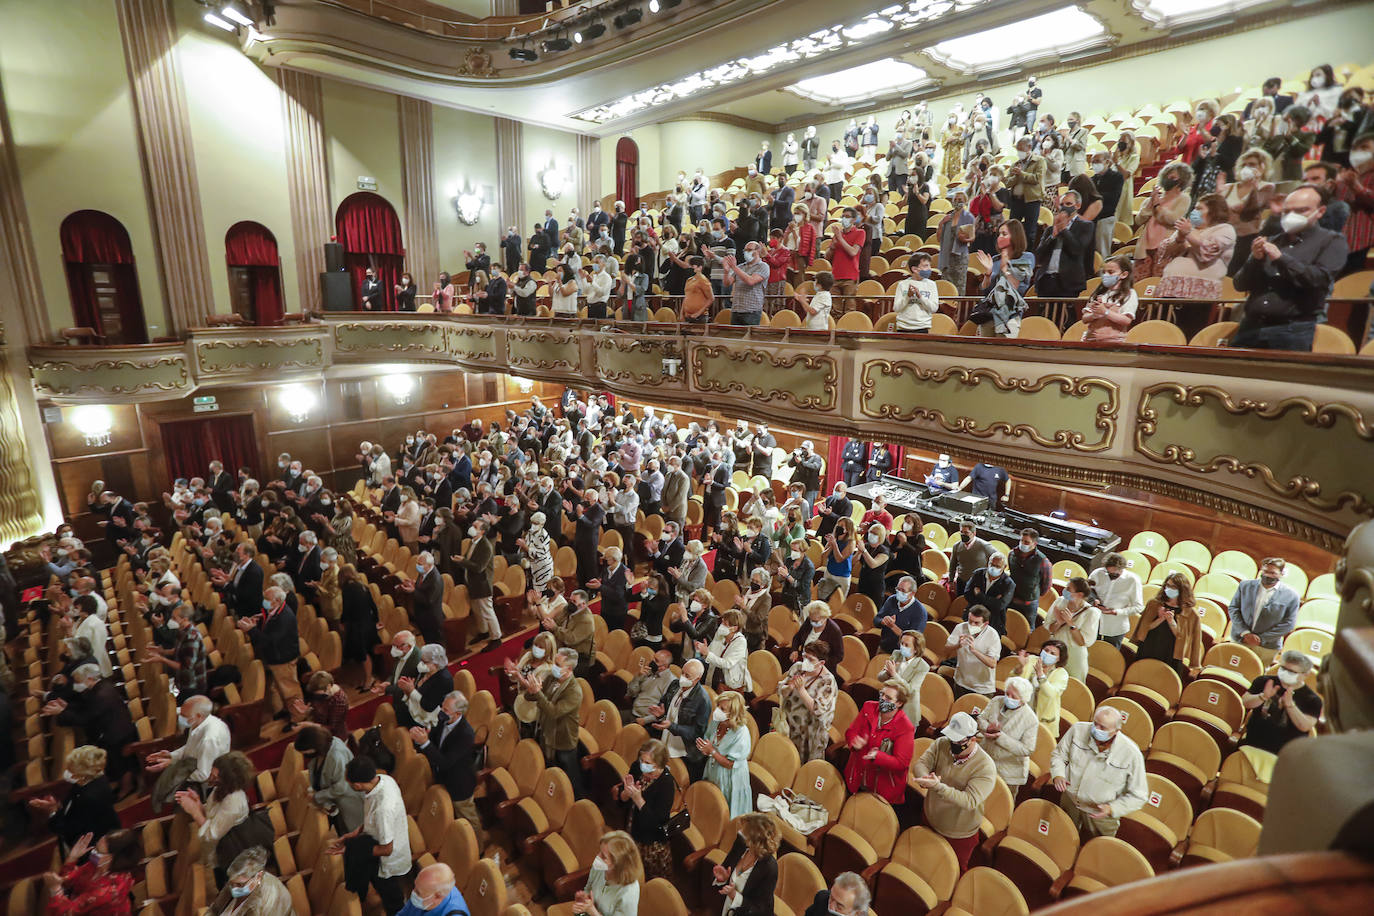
[(653, 6), (525, 54), (553, 45), (219, 23), (577, 37), (628, 18), (231, 12), (594, 31)]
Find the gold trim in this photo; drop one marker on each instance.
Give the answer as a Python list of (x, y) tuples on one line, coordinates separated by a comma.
[(1318, 416), (542, 337), (416, 327), (105, 365), (202, 347), (1105, 419), (761, 357), (668, 348)]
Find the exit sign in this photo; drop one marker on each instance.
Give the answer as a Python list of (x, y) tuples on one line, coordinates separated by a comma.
[(204, 404), (204, 399), (366, 183)]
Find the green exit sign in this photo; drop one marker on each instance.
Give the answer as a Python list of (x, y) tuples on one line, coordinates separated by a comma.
[(204, 399)]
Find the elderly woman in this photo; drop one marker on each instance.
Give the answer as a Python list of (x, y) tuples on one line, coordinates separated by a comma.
[(754, 605), (727, 746), (423, 696), (1248, 200), (327, 596), (1168, 203), (647, 792), (908, 667), (251, 890), (1199, 252), (727, 655), (1009, 730), (1169, 629), (880, 741), (535, 664), (326, 756), (230, 776), (817, 626), (536, 553), (696, 619), (1048, 678), (748, 878), (612, 887), (795, 575), (89, 806), (807, 695), (99, 883), (325, 703), (408, 519), (690, 574)]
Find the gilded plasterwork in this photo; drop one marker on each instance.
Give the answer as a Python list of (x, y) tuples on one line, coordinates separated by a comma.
[(258, 354), (637, 360), (1054, 411), (62, 378), (471, 343), (1299, 449), (390, 338), (767, 375), (543, 350)]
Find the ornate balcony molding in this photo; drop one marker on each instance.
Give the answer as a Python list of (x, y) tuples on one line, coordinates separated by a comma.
[(1280, 442)]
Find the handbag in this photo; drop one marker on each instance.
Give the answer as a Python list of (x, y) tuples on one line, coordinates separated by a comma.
[(780, 722), (804, 815), (677, 823), (981, 313)]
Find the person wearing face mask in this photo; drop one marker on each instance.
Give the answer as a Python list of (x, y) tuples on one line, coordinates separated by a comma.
[(436, 894), (646, 793), (1008, 730), (1113, 305), (1283, 708), (726, 746), (1292, 145), (1170, 629), (976, 648), (525, 289), (956, 230), (1031, 572), (371, 292), (917, 298), (449, 745), (1100, 773), (727, 654), (207, 737), (795, 576), (1355, 187), (96, 877), (1288, 276), (1263, 610), (968, 554), (89, 805), (1199, 252), (1026, 180), (901, 612), (745, 284), (1048, 678), (186, 659), (1073, 619), (251, 890), (1063, 251), (846, 245), (559, 697), (956, 775), (276, 642), (807, 701), (993, 589), (881, 740), (1168, 203)]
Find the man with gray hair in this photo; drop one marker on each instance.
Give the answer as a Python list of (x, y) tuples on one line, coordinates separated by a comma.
[(677, 491), (848, 895), (683, 715), (477, 562), (427, 604), (1063, 251), (450, 748), (207, 737), (276, 642), (304, 565), (251, 890), (902, 611), (559, 698), (1282, 706), (1100, 773)]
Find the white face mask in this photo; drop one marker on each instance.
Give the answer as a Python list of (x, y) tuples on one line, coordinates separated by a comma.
[(808, 666), (684, 682), (1286, 678), (975, 629), (398, 653), (718, 715), (599, 864)]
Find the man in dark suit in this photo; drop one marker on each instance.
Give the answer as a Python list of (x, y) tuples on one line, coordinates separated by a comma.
[(461, 473), (590, 518), (761, 447), (667, 552), (304, 566), (550, 228), (713, 483), (100, 710), (1062, 251), (221, 485), (372, 292), (497, 291), (427, 606), (684, 713), (120, 527), (512, 249), (450, 749), (848, 895), (853, 463), (807, 471), (476, 563), (241, 587)]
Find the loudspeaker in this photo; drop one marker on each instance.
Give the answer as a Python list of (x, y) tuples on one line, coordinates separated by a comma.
[(333, 257), (336, 292)]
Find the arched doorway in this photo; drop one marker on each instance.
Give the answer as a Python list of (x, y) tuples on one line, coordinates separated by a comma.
[(370, 233), (250, 249), (101, 277), (627, 173)]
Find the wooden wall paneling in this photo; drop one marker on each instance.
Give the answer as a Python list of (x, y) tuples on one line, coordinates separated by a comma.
[(64, 441)]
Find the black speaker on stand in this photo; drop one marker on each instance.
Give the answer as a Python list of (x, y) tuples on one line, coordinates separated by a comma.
[(336, 291), (333, 257)]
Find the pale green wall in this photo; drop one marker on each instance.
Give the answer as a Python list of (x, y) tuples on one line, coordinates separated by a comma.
[(364, 133), (647, 138), (240, 147), (710, 145), (1192, 71), (464, 157), (70, 109), (541, 146)]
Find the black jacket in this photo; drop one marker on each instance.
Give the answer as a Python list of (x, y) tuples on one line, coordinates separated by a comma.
[(756, 897), (452, 761), (1076, 238), (276, 640), (693, 717), (102, 714), (86, 809), (808, 470), (245, 598)]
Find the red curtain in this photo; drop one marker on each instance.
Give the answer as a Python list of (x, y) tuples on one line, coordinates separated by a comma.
[(252, 246), (371, 235), (92, 237), (627, 173), (834, 462), (190, 445)]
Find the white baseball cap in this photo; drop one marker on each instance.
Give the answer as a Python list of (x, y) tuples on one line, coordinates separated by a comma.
[(961, 727)]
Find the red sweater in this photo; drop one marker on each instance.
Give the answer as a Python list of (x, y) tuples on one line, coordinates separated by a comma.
[(778, 258), (886, 773)]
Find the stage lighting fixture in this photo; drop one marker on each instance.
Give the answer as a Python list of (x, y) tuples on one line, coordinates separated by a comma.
[(553, 45), (525, 54), (229, 11), (628, 18), (219, 23), (594, 31), (669, 4)]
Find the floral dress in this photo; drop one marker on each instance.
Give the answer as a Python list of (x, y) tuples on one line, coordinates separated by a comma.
[(810, 730), (84, 891)]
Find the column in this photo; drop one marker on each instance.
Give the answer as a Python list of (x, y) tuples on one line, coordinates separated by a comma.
[(510, 157), (21, 506), (417, 189), (307, 179), (588, 178), (148, 32)]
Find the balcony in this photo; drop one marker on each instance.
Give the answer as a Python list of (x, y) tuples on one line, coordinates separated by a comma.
[(1284, 443)]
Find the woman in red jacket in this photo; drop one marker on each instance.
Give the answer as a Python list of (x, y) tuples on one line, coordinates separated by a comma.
[(102, 885), (880, 741)]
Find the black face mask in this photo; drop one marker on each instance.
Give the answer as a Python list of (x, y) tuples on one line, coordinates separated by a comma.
[(1169, 183), (965, 536), (1113, 575), (958, 748), (1121, 144), (1269, 581)]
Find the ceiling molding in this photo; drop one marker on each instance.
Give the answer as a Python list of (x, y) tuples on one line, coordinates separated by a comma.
[(722, 117)]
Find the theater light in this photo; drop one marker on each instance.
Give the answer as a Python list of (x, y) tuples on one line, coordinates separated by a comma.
[(231, 12), (296, 400), (219, 23), (94, 422), (628, 18), (653, 6), (594, 31), (525, 54), (399, 385), (554, 45)]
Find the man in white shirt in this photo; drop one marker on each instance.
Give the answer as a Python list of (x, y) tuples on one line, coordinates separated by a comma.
[(86, 586), (598, 288), (207, 738), (383, 833), (1119, 596), (978, 650), (90, 626)]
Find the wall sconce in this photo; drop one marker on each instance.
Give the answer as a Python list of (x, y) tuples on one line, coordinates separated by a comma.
[(525, 385), (554, 180), (469, 203), (399, 385), (94, 422), (297, 400)]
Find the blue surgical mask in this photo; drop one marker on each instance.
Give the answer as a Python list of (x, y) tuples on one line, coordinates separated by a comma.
[(925, 273), (417, 901), (1170, 592), (266, 605), (1049, 659), (906, 651), (1009, 703), (1101, 734), (1109, 280), (846, 222), (238, 893), (1195, 217)]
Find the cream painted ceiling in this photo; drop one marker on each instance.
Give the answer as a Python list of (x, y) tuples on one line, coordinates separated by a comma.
[(330, 39)]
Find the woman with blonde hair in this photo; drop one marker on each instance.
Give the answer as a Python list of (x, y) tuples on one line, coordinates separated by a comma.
[(90, 804), (613, 884), (1248, 199), (535, 663), (727, 745), (408, 520), (536, 553), (749, 875), (908, 666)]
